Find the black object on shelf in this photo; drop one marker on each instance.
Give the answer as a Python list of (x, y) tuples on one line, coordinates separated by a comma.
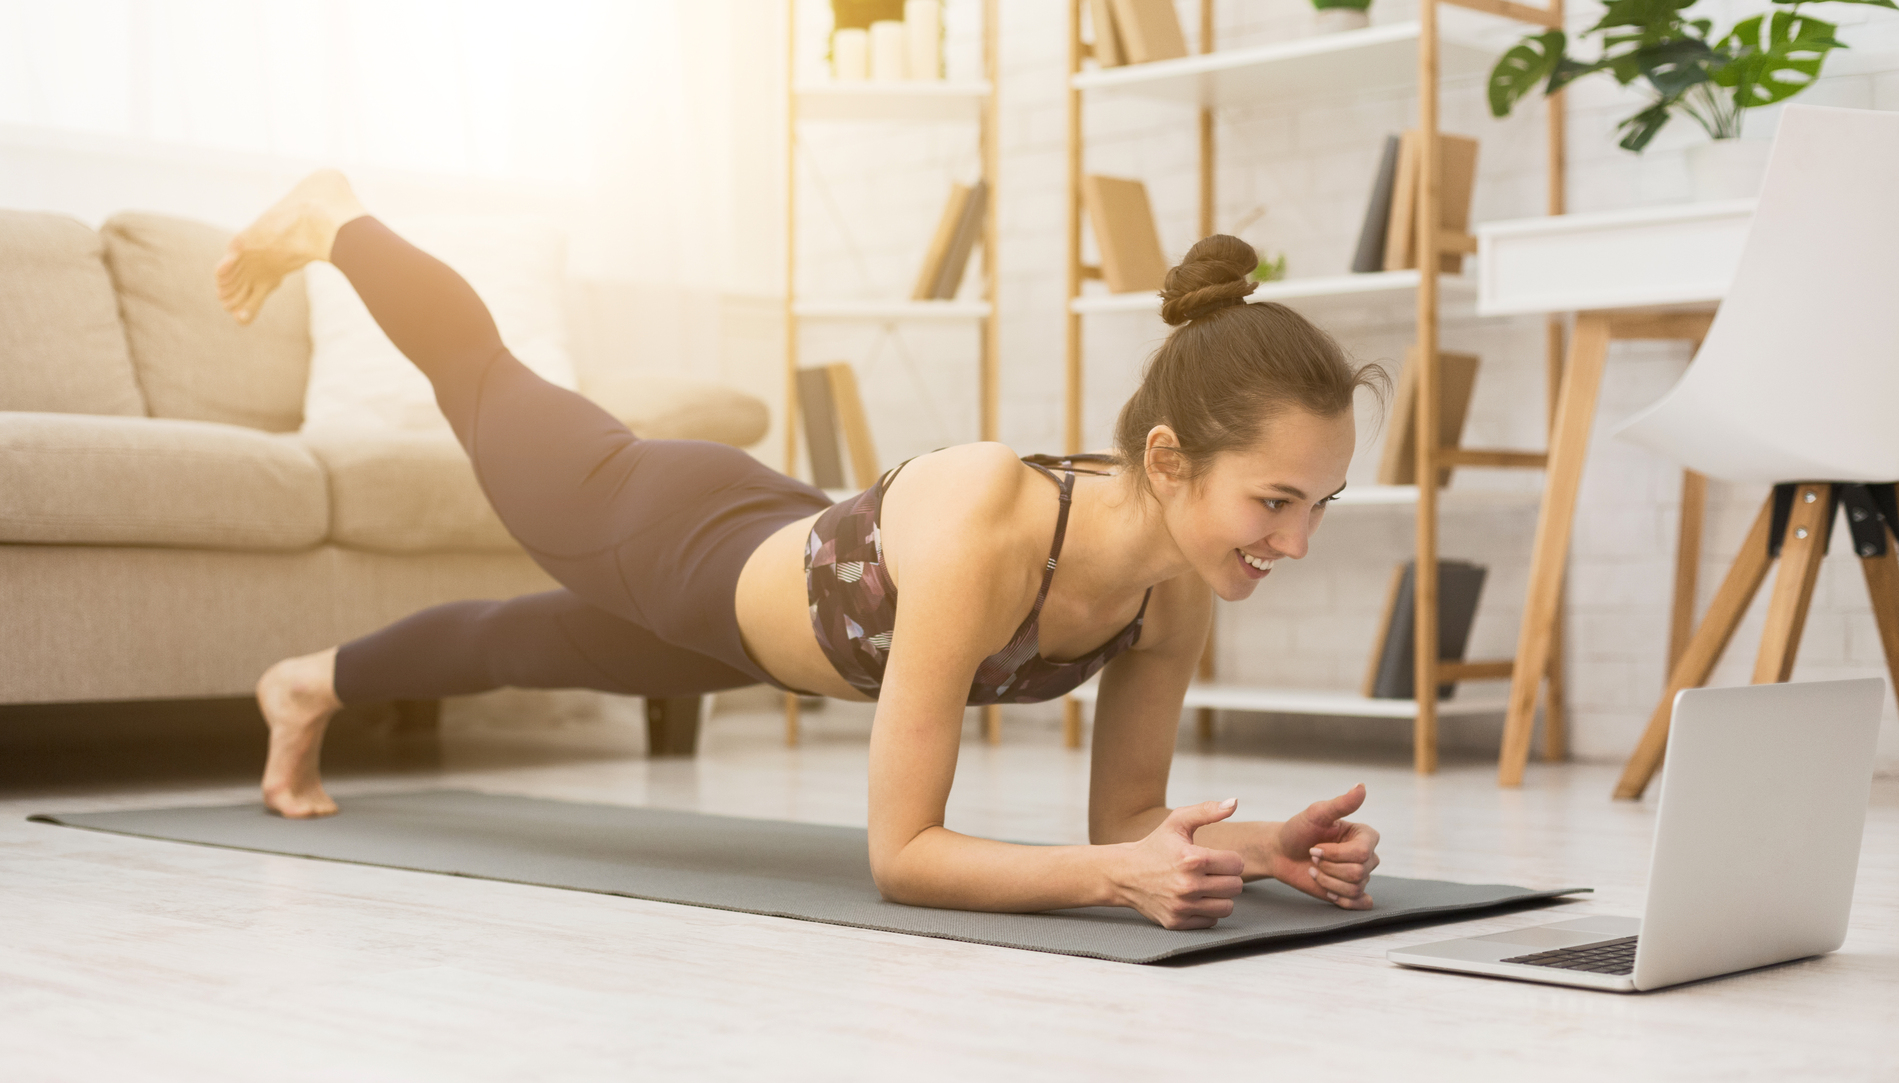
[(1459, 583), (1370, 256), (820, 428)]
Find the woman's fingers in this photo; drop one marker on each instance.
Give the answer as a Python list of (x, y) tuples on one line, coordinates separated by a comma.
[(1333, 885)]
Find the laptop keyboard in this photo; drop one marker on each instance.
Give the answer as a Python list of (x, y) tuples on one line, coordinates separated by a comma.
[(1604, 957)]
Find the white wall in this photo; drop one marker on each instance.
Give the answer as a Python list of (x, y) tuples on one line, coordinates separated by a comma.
[(1309, 166)]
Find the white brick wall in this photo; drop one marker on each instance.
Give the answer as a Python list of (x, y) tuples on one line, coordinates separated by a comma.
[(1309, 166)]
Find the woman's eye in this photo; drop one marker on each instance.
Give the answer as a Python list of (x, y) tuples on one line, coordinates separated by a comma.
[(1273, 505)]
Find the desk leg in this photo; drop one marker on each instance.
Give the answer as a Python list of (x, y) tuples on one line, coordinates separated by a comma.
[(1694, 508), (1569, 445)]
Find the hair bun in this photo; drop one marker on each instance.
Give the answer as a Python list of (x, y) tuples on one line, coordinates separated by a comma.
[(1215, 275)]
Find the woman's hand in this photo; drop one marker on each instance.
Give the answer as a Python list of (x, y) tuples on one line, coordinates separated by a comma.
[(1323, 855), (1175, 883)]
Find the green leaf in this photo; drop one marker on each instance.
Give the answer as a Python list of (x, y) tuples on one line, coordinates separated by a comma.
[(1518, 71), (1640, 128), (1653, 16), (1672, 67), (1871, 3), (1775, 57)]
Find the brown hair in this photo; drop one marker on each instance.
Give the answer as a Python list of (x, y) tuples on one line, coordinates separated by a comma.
[(1229, 367)]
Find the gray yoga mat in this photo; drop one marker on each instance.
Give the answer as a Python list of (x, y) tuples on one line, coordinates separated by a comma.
[(807, 871)]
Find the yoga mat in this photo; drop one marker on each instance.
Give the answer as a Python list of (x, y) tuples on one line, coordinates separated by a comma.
[(806, 871)]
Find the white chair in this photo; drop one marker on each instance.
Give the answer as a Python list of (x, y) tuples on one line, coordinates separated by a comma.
[(1797, 383)]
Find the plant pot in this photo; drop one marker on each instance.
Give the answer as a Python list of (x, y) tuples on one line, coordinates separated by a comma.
[(1727, 168), (1338, 20)]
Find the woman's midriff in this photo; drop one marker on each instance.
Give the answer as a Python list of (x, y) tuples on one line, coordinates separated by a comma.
[(774, 615)]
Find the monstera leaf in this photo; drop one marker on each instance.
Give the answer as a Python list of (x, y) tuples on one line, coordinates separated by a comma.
[(1640, 128), (1518, 71), (1672, 67), (1775, 56)]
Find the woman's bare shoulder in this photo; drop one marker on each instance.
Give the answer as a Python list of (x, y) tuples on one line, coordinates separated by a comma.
[(980, 480)]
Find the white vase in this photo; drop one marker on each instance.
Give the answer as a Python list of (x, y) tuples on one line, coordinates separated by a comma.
[(1727, 168), (1337, 20)]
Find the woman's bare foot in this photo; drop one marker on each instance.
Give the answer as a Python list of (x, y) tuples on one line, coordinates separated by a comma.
[(298, 229), (297, 697)]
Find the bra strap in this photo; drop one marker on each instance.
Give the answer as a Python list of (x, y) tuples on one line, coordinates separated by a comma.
[(1061, 530)]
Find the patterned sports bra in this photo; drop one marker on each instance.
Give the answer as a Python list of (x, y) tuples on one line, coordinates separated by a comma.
[(854, 603)]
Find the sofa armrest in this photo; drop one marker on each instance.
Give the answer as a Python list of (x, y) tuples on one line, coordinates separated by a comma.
[(673, 408)]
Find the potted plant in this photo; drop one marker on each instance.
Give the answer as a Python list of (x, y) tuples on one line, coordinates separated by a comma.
[(1332, 16), (1761, 60)]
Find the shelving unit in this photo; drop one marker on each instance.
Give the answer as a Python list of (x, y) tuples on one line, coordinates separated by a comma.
[(919, 102), (1416, 55)]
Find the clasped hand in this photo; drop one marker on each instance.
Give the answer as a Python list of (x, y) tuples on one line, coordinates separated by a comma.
[(1179, 884)]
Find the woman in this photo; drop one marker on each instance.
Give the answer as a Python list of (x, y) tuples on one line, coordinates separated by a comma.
[(690, 568)]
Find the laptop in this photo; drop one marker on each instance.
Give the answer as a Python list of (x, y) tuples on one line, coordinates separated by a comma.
[(1757, 839)]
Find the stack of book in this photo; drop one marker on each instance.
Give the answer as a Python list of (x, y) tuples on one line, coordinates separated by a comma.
[(1135, 32), (956, 236), (1388, 240)]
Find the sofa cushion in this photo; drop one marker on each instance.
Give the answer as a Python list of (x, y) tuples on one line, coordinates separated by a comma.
[(398, 492), (61, 346), (75, 479), (193, 360), (672, 408)]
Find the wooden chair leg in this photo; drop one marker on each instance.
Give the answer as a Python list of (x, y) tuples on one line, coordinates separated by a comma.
[(791, 720), (1569, 444), (992, 724), (1704, 649), (1071, 722), (1800, 555), (1694, 509), (1882, 585)]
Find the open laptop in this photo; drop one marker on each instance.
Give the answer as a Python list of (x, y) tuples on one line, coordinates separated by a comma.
[(1757, 839)]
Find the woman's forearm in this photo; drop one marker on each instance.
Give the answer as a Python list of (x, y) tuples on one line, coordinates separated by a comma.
[(940, 867)]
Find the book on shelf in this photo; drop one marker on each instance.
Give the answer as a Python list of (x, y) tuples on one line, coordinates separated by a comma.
[(1149, 30), (820, 428), (1123, 222), (1457, 377), (859, 14), (1107, 44), (833, 413), (1370, 256), (957, 234), (1457, 180), (1393, 673)]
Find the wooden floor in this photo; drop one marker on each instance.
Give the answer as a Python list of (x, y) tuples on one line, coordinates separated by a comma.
[(124, 958)]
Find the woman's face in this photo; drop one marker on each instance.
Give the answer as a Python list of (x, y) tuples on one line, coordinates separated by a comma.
[(1256, 505)]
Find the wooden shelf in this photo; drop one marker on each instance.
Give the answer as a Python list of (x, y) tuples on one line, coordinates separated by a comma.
[(1239, 697), (1382, 297), (1376, 58), (890, 311), (892, 101)]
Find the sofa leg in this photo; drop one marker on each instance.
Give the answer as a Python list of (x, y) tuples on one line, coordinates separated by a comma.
[(672, 725)]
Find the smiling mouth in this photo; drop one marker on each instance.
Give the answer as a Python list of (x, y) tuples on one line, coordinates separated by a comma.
[(1256, 567)]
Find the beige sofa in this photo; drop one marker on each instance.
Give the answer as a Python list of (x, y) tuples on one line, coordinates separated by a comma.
[(165, 530)]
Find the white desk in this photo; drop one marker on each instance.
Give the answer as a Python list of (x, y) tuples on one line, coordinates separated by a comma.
[(1650, 273)]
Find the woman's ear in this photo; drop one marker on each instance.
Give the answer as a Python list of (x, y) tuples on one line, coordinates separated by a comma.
[(1162, 461)]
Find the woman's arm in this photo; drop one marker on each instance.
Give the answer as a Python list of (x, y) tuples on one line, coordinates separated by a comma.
[(965, 586), (1137, 718)]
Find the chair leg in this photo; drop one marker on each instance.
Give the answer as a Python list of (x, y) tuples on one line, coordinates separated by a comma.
[(1882, 585), (791, 720), (992, 724), (1800, 556), (1569, 444), (1704, 649)]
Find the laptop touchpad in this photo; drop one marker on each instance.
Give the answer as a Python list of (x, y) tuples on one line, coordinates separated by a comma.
[(1542, 936)]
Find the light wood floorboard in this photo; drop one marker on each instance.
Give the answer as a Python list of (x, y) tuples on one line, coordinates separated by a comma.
[(125, 958)]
